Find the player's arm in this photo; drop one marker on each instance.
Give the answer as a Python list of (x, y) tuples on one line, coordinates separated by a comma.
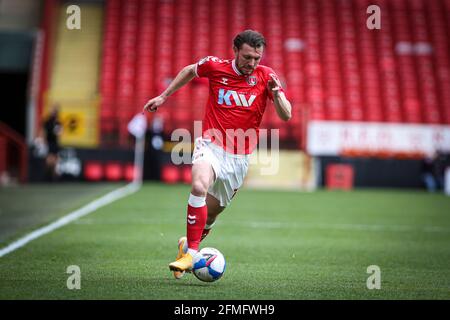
[(182, 78), (282, 104)]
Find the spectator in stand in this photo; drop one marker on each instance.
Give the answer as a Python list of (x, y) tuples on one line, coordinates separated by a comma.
[(52, 130)]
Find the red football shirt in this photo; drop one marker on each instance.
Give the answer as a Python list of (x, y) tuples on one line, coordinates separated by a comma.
[(236, 103)]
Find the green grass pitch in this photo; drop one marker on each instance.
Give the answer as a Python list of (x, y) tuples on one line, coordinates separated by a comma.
[(278, 245)]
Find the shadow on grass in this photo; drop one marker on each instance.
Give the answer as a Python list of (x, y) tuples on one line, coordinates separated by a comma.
[(186, 283)]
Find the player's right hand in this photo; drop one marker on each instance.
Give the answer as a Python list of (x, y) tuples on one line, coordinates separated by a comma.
[(153, 104)]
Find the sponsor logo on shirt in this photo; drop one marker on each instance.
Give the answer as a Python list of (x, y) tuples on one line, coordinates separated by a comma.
[(241, 100)]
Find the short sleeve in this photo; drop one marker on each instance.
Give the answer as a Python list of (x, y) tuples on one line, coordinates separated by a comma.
[(206, 66)]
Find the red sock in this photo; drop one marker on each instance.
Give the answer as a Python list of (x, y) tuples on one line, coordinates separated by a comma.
[(197, 213)]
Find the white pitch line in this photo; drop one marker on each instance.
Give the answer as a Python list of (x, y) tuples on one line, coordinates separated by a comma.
[(90, 207)]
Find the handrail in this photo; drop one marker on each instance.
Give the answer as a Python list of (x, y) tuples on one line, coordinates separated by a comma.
[(11, 134), (17, 139)]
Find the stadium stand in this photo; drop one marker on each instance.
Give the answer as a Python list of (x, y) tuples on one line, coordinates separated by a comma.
[(333, 68)]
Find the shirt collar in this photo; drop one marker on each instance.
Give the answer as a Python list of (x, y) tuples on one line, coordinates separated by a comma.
[(233, 64)]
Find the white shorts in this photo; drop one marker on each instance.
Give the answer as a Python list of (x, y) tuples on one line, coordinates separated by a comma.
[(229, 169)]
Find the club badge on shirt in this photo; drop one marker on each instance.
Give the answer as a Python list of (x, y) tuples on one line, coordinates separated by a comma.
[(252, 80)]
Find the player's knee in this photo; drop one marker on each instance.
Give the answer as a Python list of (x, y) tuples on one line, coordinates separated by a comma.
[(212, 216), (199, 188)]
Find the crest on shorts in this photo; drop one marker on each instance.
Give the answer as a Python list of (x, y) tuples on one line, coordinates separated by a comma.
[(252, 80)]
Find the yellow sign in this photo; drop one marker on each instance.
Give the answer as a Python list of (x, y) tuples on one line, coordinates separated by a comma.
[(74, 124), (284, 169), (80, 122)]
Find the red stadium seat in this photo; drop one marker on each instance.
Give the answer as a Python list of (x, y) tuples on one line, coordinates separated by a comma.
[(128, 172), (186, 174), (170, 174), (93, 171), (113, 171)]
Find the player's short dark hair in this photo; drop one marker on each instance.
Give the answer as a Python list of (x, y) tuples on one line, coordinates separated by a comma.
[(252, 38)]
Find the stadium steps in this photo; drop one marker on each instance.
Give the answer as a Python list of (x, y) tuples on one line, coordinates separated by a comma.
[(75, 75)]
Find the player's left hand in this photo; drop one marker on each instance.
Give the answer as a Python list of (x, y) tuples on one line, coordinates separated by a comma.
[(274, 84)]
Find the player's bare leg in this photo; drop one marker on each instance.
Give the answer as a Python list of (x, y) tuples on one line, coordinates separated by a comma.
[(51, 161), (197, 212), (214, 209)]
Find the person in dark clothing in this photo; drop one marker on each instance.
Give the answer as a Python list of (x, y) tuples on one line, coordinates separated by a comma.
[(441, 162), (428, 174), (52, 129)]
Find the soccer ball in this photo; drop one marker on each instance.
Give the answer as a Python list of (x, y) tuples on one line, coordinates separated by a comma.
[(208, 265)]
